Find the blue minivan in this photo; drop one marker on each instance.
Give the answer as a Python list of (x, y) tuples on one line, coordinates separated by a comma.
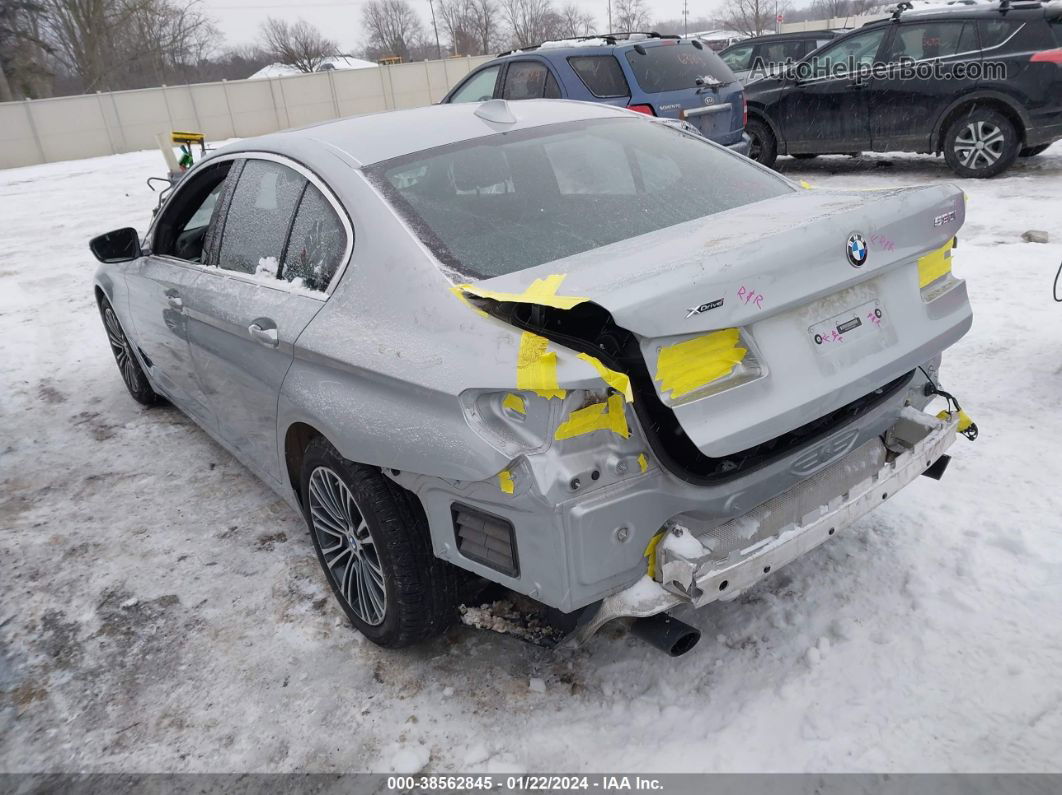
[(659, 75)]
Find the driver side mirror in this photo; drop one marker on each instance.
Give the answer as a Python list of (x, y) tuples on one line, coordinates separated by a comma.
[(121, 245)]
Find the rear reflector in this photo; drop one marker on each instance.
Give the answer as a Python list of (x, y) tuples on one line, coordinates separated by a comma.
[(744, 112), (1048, 56), (646, 109), (485, 538)]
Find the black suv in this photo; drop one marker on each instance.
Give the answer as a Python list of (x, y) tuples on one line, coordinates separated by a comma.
[(980, 84)]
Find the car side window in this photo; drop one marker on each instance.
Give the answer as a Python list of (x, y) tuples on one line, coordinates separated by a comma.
[(479, 87), (849, 52), (601, 74), (316, 244), (996, 31), (738, 58), (258, 218), (183, 230), (528, 80), (930, 40), (781, 52)]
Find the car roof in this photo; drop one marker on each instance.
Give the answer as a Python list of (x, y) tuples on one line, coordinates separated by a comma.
[(794, 34), (382, 136), (595, 44), (980, 10)]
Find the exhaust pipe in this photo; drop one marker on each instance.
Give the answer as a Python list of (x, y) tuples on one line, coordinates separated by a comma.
[(668, 634)]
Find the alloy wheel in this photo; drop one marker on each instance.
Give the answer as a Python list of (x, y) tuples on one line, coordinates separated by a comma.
[(123, 354), (347, 546), (979, 145)]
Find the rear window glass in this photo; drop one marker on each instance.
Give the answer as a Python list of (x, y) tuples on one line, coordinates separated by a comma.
[(673, 67), (500, 204), (601, 74)]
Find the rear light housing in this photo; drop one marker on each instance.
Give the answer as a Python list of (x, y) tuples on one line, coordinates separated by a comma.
[(1048, 56), (646, 109), (744, 112)]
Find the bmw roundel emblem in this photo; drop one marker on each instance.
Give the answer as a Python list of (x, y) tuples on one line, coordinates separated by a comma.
[(857, 250)]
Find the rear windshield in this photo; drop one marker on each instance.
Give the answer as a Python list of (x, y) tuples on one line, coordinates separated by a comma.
[(511, 201), (672, 67)]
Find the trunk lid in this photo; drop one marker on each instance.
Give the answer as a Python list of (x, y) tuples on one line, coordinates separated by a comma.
[(778, 273)]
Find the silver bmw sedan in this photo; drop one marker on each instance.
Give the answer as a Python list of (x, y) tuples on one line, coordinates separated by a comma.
[(559, 346)]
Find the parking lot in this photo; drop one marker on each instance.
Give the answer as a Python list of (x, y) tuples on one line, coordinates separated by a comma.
[(161, 610)]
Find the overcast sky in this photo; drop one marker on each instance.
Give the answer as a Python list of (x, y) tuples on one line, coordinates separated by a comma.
[(340, 19)]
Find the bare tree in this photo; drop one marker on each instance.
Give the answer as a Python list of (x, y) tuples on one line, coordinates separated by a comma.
[(531, 21), (23, 51), (575, 21), (628, 15), (298, 44), (488, 25), (107, 43), (753, 17), (394, 28), (457, 18)]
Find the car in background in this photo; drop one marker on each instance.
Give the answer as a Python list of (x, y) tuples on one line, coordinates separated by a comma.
[(603, 363), (981, 122), (662, 76), (771, 53)]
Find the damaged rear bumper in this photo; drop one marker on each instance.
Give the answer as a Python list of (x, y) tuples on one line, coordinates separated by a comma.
[(699, 569)]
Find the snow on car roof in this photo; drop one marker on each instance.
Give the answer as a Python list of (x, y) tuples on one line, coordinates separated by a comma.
[(555, 45), (382, 136)]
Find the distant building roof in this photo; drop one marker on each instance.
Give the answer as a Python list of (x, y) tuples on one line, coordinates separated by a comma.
[(286, 70)]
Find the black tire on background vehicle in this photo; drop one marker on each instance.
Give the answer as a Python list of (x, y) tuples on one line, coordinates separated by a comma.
[(764, 146), (133, 376), (981, 143), (372, 541), (806, 156), (1033, 151)]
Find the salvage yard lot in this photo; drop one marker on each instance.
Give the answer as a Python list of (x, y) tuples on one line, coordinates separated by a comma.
[(161, 610)]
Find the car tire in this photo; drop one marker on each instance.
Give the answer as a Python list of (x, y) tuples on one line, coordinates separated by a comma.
[(374, 547), (1033, 151), (981, 144), (806, 155), (124, 356), (763, 148)]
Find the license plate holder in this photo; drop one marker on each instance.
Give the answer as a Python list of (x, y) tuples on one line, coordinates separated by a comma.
[(848, 326)]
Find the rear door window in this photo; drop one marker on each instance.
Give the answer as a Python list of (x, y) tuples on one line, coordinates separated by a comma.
[(316, 244), (673, 67), (996, 31), (851, 51), (479, 87), (529, 80), (780, 52), (259, 217), (930, 40), (601, 74), (739, 58)]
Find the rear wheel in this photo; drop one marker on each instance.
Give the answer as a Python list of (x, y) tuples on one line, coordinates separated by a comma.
[(981, 143), (372, 541), (132, 374), (1033, 151), (763, 147)]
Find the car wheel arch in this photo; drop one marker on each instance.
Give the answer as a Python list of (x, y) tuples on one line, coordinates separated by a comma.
[(760, 114), (296, 439), (964, 104)]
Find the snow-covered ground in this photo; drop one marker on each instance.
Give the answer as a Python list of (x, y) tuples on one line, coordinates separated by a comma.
[(160, 610)]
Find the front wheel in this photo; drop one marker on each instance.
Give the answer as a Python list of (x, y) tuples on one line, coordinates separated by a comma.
[(763, 147), (132, 374), (373, 543), (980, 144)]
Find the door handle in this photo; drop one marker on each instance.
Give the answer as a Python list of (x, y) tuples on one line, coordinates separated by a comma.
[(265, 336), (173, 298)]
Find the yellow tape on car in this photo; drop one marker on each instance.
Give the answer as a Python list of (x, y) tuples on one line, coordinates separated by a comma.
[(608, 416), (650, 553), (935, 264), (514, 402), (643, 462), (617, 380), (505, 481), (685, 366), (540, 291), (536, 370)]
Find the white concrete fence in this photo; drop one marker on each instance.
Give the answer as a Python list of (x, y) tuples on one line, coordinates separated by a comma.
[(89, 125), (829, 24)]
